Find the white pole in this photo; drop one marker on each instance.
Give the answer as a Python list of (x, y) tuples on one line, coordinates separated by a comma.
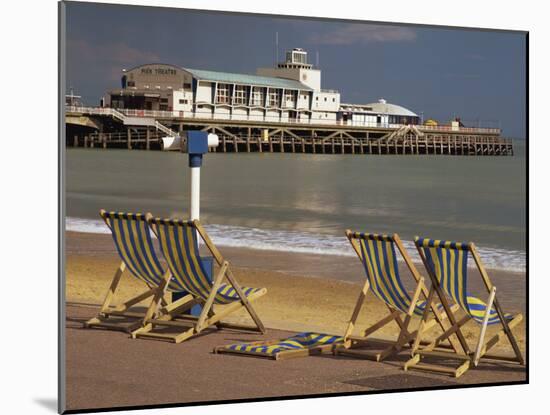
[(195, 193)]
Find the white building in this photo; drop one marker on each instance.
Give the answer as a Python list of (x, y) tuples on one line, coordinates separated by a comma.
[(290, 92)]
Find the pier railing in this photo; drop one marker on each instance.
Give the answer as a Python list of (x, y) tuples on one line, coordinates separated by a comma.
[(120, 113)]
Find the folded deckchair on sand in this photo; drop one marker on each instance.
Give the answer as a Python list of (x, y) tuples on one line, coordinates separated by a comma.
[(447, 266), (179, 246), (133, 242), (299, 345), (378, 257)]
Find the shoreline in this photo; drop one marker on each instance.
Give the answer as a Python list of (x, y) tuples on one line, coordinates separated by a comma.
[(307, 243)]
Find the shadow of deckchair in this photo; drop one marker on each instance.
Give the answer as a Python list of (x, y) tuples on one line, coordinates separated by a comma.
[(179, 246), (447, 266), (379, 259), (134, 245)]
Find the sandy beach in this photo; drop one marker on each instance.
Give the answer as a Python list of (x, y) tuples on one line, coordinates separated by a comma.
[(305, 293)]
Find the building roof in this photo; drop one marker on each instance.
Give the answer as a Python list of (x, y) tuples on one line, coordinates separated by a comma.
[(235, 78), (382, 107)]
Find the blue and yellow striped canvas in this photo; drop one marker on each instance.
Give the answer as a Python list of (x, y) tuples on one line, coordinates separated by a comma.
[(134, 244), (178, 244), (380, 262), (448, 261), (301, 341)]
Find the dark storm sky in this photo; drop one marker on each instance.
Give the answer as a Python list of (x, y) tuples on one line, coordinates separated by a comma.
[(477, 75)]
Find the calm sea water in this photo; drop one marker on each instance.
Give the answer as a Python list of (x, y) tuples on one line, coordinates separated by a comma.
[(305, 202)]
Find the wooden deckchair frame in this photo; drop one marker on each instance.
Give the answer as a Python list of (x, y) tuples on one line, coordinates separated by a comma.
[(109, 314), (193, 325), (352, 344), (467, 357)]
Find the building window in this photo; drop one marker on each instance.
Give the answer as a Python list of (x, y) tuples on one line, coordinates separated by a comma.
[(257, 97), (273, 98), (240, 95), (316, 98), (223, 94), (325, 99), (164, 100), (186, 85), (289, 99), (131, 83), (183, 101), (333, 99)]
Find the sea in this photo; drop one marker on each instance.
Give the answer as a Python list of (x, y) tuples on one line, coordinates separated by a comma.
[(305, 202)]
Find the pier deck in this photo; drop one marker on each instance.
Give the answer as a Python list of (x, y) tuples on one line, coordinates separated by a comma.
[(312, 138)]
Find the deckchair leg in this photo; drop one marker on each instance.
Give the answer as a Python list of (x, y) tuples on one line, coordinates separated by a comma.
[(507, 327), (245, 301), (483, 328), (159, 294), (423, 321), (211, 297), (166, 314), (496, 338), (231, 308), (404, 336), (489, 285), (98, 320), (355, 314), (113, 288)]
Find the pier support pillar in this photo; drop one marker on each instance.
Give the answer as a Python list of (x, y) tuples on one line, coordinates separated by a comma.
[(129, 138)]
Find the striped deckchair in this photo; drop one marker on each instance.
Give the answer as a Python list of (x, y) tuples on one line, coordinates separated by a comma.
[(178, 244), (133, 242), (379, 259), (299, 345), (447, 265)]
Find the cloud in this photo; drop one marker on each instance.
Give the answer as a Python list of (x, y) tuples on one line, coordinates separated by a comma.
[(110, 58), (363, 33)]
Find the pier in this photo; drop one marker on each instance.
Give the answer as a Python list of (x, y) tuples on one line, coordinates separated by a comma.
[(133, 129)]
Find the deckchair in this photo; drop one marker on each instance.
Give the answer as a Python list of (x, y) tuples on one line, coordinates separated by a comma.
[(179, 246), (133, 242), (378, 257), (300, 345), (447, 265)]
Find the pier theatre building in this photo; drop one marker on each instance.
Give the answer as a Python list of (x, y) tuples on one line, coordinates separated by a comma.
[(288, 93)]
